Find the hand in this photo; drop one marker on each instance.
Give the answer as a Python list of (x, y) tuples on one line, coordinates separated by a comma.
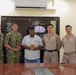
[(35, 48), (19, 48), (15, 49), (32, 47)]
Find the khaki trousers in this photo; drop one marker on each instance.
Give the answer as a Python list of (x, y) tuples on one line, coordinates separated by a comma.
[(69, 57), (51, 57)]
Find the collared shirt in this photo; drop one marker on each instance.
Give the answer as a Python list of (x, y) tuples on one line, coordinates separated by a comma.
[(69, 44), (13, 40), (28, 40), (52, 42)]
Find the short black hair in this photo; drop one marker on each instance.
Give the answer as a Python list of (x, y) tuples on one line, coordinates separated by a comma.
[(50, 25), (68, 26)]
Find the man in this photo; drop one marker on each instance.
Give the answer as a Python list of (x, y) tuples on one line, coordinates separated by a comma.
[(32, 45), (1, 46), (69, 45), (12, 44), (52, 44)]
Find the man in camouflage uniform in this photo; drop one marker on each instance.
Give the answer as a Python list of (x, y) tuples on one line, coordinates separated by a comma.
[(52, 44), (69, 45), (12, 44), (1, 46)]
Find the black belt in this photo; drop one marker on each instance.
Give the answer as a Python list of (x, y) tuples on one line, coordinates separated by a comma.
[(52, 50), (69, 53)]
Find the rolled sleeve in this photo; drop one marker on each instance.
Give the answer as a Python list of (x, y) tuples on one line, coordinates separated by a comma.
[(7, 39), (19, 40), (40, 41), (59, 43)]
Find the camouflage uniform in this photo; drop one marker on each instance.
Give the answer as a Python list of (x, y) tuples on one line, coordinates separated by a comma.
[(52, 45), (1, 47), (69, 45), (13, 41)]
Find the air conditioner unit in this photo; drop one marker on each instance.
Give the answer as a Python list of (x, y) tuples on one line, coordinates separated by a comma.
[(31, 4)]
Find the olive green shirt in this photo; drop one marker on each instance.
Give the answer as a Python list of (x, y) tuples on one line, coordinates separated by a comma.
[(1, 44), (13, 41)]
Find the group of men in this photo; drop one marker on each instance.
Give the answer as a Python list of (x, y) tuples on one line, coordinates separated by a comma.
[(32, 44)]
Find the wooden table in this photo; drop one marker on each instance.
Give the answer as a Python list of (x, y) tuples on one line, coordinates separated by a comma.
[(26, 69)]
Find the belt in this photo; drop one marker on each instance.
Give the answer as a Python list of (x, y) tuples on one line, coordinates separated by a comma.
[(70, 53), (52, 50)]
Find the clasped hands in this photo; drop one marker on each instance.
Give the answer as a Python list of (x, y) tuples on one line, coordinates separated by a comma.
[(17, 48), (32, 47)]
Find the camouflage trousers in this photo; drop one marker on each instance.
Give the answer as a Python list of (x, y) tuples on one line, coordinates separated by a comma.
[(69, 57), (1, 59), (50, 57), (12, 60)]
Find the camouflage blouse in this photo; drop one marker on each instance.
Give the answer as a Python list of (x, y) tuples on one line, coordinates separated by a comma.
[(1, 44), (13, 40)]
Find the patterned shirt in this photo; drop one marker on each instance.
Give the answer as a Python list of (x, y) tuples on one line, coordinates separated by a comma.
[(1, 44), (13, 40)]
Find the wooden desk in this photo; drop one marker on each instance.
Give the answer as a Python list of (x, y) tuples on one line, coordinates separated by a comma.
[(26, 69)]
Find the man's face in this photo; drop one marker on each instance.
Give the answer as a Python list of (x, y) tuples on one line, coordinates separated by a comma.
[(32, 32), (15, 27), (49, 28), (68, 30)]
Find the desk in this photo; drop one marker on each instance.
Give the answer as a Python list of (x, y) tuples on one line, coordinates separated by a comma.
[(26, 69)]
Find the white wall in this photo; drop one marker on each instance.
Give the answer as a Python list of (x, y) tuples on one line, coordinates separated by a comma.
[(65, 9)]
